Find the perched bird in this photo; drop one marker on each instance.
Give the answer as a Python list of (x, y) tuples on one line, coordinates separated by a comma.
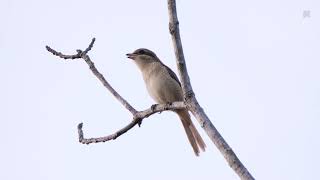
[(164, 86)]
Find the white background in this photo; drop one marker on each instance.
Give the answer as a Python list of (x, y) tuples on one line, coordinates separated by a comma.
[(254, 66)]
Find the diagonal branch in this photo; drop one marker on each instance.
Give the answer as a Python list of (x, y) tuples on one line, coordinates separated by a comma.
[(84, 56), (192, 103), (138, 116)]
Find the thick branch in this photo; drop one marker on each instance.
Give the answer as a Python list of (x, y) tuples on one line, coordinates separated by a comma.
[(178, 50), (192, 102)]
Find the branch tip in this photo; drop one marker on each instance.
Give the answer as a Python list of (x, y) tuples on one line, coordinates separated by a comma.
[(90, 46), (80, 125)]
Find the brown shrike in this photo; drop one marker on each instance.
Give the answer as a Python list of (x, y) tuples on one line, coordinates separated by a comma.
[(164, 86)]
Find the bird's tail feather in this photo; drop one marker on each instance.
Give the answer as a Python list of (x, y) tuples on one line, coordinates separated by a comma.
[(193, 135)]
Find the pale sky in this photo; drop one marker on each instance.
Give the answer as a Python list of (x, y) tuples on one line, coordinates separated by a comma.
[(254, 66)]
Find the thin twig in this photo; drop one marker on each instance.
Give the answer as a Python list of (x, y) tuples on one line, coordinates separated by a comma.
[(59, 54), (192, 103), (138, 116), (90, 46), (84, 56)]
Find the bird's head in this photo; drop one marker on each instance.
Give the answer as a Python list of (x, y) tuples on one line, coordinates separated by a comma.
[(143, 58), (142, 54)]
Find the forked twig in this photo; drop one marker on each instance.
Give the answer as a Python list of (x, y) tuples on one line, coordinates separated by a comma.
[(138, 116)]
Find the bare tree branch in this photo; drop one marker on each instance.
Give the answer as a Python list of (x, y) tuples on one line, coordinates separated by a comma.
[(59, 54), (138, 116), (192, 103), (84, 56)]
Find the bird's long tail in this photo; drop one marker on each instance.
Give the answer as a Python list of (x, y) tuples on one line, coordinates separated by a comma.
[(193, 135)]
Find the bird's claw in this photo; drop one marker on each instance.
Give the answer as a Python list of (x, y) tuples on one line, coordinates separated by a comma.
[(168, 104), (153, 107)]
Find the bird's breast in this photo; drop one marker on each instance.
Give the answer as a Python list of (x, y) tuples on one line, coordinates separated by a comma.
[(160, 85)]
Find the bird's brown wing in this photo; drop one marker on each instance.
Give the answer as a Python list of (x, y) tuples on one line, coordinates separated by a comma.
[(172, 74)]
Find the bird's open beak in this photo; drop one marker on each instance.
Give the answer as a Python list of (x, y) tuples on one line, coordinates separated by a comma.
[(131, 56)]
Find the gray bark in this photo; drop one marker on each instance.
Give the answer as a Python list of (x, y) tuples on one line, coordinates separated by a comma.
[(192, 103)]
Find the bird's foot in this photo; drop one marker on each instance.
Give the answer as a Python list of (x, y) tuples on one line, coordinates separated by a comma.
[(153, 107), (166, 107), (168, 104)]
